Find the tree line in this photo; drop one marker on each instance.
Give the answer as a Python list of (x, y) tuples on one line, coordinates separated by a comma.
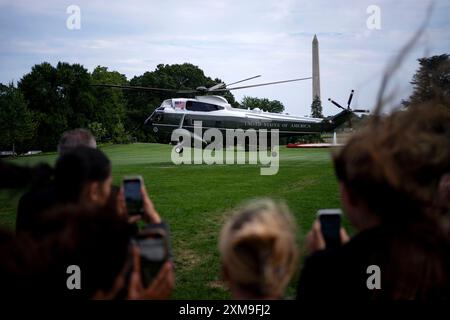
[(52, 99)]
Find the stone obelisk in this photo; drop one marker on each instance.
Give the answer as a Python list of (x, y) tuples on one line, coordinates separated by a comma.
[(315, 68)]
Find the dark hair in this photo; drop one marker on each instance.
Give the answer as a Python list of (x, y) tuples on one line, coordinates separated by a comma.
[(77, 167), (75, 138), (94, 239), (400, 161), (14, 176), (394, 166)]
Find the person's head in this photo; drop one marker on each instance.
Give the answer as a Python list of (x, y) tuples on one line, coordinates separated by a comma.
[(258, 250), (389, 174), (75, 138), (116, 201), (83, 175), (389, 171), (92, 238)]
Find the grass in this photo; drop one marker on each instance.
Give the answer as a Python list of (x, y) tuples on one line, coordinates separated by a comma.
[(195, 201)]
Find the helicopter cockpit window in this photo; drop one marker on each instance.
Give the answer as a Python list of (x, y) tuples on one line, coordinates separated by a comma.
[(201, 106), (166, 104)]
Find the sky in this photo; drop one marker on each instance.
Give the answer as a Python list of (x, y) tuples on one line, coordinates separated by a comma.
[(232, 40)]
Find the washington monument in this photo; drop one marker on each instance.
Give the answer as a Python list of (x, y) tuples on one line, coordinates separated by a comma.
[(315, 68)]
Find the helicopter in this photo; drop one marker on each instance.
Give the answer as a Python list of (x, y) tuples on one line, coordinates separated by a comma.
[(214, 111)]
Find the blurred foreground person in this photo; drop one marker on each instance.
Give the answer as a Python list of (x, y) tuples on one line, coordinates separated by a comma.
[(93, 239), (81, 176), (42, 195), (258, 250), (389, 175), (14, 176), (76, 138)]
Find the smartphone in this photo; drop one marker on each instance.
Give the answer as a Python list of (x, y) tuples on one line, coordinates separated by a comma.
[(330, 222), (133, 196), (154, 251)]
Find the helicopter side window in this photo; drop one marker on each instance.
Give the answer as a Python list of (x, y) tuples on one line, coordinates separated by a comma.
[(201, 106)]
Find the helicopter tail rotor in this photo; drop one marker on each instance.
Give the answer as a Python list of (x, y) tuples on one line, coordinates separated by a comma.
[(350, 98), (353, 111), (336, 104)]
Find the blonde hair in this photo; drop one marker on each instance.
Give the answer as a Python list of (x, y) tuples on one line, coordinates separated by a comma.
[(258, 248)]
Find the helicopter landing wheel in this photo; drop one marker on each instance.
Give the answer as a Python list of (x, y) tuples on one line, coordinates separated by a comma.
[(179, 149)]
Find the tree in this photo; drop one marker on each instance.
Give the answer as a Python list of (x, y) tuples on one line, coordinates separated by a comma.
[(98, 130), (431, 81), (109, 104), (76, 93), (264, 104), (40, 89), (316, 108), (16, 121), (61, 98)]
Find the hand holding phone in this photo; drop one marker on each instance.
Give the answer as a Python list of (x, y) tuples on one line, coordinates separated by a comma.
[(326, 231), (139, 205), (154, 252), (132, 187), (330, 225), (153, 275)]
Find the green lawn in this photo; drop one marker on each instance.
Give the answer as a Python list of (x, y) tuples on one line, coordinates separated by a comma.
[(195, 199)]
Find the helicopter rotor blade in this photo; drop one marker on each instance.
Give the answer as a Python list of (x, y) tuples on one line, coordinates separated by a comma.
[(133, 87), (217, 86), (336, 104), (350, 99), (186, 91), (361, 111), (233, 83), (260, 84), (221, 85)]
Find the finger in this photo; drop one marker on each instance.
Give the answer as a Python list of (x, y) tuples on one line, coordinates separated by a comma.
[(162, 286), (135, 286), (309, 243), (170, 274), (136, 259), (144, 194), (319, 240), (134, 219), (149, 210), (161, 277), (121, 201), (316, 226), (157, 284), (344, 236), (171, 281)]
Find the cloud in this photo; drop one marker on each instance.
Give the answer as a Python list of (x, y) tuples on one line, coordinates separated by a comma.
[(231, 40)]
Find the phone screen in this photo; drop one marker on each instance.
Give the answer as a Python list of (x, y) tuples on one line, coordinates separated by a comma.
[(133, 196), (153, 255), (330, 222)]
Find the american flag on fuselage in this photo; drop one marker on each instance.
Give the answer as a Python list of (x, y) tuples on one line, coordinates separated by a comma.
[(180, 104)]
